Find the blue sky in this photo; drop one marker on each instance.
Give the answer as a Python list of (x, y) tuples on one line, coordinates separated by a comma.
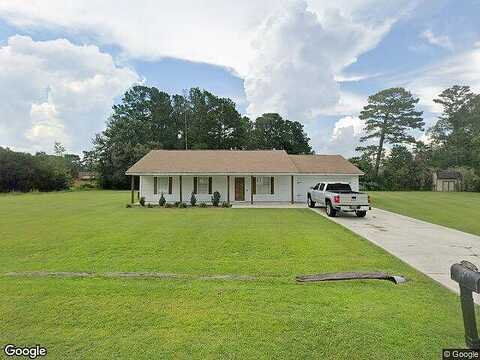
[(313, 61)]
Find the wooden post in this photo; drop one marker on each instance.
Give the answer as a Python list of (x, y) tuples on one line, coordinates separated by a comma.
[(180, 188), (228, 189), (292, 190), (251, 190), (132, 186)]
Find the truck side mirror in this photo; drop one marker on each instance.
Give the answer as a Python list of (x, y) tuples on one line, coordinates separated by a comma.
[(468, 278)]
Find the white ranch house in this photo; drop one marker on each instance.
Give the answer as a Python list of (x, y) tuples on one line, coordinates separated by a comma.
[(238, 175)]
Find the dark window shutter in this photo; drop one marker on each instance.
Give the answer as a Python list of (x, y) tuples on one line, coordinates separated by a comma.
[(254, 185), (155, 185), (272, 183), (194, 184), (209, 185), (170, 182)]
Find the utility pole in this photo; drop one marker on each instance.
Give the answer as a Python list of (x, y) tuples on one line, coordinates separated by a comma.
[(185, 118)]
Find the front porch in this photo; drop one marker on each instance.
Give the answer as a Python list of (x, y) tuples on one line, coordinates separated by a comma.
[(240, 189)]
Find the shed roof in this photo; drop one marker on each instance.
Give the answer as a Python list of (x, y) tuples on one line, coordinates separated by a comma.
[(448, 174)]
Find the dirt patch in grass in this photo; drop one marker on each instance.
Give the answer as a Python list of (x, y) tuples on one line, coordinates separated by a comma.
[(121, 274)]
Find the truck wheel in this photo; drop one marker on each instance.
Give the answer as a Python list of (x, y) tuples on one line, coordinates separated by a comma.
[(361, 213), (310, 202), (331, 212)]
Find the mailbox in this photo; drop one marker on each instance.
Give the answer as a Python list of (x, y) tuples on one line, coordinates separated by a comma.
[(468, 278)]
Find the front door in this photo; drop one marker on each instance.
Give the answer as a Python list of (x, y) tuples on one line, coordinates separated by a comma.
[(239, 189)]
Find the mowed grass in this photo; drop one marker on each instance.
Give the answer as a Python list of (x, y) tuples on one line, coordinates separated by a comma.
[(189, 318), (457, 210)]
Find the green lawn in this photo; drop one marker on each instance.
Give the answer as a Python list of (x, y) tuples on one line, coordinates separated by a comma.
[(190, 318), (458, 210)]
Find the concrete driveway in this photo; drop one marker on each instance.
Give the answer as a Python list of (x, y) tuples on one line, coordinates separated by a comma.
[(429, 248)]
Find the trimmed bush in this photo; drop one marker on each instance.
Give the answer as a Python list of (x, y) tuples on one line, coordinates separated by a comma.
[(162, 200), (216, 198), (202, 205), (169, 205), (226, 205), (193, 199), (182, 205), (142, 201), (128, 206), (87, 186), (176, 203)]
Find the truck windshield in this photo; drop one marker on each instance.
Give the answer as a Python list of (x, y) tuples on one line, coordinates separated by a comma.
[(338, 187)]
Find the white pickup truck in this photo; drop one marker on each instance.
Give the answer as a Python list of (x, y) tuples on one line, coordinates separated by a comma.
[(338, 197)]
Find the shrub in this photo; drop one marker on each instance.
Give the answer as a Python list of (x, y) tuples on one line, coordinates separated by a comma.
[(129, 206), (162, 200), (193, 199), (216, 198), (142, 201), (87, 186), (226, 204), (202, 205), (182, 205), (169, 205), (149, 205)]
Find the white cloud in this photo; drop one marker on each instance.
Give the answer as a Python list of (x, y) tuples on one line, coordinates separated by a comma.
[(442, 41), (55, 90), (345, 136), (298, 54), (290, 53), (353, 122), (460, 69)]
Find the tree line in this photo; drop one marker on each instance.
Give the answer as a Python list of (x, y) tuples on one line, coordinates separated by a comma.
[(147, 118), (454, 140), (40, 172)]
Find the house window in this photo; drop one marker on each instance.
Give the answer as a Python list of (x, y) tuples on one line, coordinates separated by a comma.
[(264, 185), (202, 187), (160, 185)]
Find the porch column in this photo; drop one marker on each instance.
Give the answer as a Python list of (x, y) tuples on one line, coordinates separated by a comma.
[(132, 186), (228, 189), (251, 189), (292, 189), (180, 181)]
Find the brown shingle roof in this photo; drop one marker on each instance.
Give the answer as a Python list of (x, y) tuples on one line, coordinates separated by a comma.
[(239, 161), (324, 164), (214, 161)]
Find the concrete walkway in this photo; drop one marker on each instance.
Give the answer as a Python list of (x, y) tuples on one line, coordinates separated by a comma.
[(429, 248), (269, 205)]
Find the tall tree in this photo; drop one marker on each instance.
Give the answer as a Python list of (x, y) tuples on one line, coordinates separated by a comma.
[(454, 132), (389, 116), (271, 131), (58, 148), (147, 118)]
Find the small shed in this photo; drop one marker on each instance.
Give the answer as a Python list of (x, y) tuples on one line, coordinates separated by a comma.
[(447, 180)]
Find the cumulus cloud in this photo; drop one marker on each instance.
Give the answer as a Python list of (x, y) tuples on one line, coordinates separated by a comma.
[(345, 136), (298, 54), (56, 91), (290, 53)]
